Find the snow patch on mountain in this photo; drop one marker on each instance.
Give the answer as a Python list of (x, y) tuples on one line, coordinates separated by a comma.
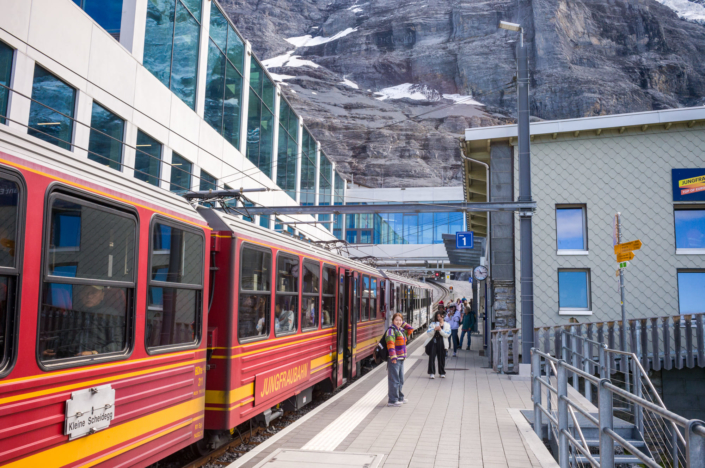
[(288, 60), (309, 41), (347, 82), (419, 92), (686, 9)]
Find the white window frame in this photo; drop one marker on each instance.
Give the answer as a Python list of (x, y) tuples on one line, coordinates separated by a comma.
[(575, 310), (585, 250)]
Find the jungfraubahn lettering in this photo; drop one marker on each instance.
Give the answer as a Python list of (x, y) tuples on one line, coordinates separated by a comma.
[(284, 379)]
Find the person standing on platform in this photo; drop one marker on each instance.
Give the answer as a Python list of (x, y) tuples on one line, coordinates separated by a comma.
[(454, 320), (469, 320), (436, 345), (396, 338)]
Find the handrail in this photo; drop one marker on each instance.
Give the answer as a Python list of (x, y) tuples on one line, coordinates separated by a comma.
[(694, 444)]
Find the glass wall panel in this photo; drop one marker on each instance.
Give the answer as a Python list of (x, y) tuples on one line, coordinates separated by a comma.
[(180, 174), (6, 54), (457, 222), (48, 123), (287, 149), (260, 121), (425, 228), (236, 49), (325, 187), (148, 159), (105, 143), (308, 168), (223, 80), (171, 45), (107, 13)]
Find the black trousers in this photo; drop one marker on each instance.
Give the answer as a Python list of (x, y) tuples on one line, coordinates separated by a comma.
[(438, 351)]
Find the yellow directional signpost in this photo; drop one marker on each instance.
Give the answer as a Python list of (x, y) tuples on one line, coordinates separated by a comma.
[(625, 257), (627, 247)]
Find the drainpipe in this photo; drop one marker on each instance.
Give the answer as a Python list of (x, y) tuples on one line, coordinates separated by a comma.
[(488, 312)]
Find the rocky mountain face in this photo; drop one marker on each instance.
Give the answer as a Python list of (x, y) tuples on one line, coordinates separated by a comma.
[(388, 86)]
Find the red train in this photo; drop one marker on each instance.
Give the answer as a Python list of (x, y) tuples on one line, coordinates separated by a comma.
[(133, 325)]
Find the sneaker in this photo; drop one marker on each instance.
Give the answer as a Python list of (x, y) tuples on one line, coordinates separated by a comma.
[(396, 405), (443, 376), (405, 401), (431, 376), (455, 355)]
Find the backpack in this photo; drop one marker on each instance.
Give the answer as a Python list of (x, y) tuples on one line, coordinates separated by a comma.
[(381, 353)]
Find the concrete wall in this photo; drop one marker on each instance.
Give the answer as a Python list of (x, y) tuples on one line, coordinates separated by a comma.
[(62, 38), (629, 173), (684, 392)]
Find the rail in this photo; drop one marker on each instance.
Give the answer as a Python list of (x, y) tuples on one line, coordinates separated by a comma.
[(667, 342), (505, 345), (543, 365)]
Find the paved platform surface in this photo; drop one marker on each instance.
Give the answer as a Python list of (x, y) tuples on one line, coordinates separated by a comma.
[(459, 421)]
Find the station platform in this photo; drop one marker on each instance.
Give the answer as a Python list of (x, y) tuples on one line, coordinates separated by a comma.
[(469, 419)]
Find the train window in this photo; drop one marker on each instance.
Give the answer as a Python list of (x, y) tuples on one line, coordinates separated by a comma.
[(356, 300), (286, 306), (328, 300), (365, 312), (373, 299), (309, 300), (10, 204), (175, 286), (89, 280), (254, 304)]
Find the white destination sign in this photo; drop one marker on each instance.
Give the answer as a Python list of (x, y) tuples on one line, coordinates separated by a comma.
[(89, 411)]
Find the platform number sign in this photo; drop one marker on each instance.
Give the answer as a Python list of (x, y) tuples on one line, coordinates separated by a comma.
[(464, 240)]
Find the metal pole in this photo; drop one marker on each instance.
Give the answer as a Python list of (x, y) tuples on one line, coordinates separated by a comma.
[(536, 390), (638, 415), (606, 413), (603, 361), (525, 227), (588, 385), (562, 382), (623, 330), (695, 444)]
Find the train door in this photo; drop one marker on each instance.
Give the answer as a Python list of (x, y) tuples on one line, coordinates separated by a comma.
[(354, 318), (343, 353)]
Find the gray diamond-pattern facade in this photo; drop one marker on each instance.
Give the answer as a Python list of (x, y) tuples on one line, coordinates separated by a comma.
[(628, 173)]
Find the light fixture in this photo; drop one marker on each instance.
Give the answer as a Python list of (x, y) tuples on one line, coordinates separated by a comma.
[(49, 123), (509, 26), (142, 145)]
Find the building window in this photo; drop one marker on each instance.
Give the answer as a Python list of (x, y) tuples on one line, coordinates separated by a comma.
[(180, 174), (6, 54), (690, 231), (264, 221), (286, 307), (365, 315), (571, 229), (226, 52), (574, 292), (338, 199), (89, 281), (208, 182), (260, 119), (691, 292), (52, 110), (107, 133), (175, 287), (308, 169), (325, 187), (171, 45), (287, 149), (255, 293), (148, 159), (107, 13)]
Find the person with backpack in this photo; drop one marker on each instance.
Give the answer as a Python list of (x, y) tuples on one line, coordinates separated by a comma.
[(396, 338), (436, 345), (469, 320)]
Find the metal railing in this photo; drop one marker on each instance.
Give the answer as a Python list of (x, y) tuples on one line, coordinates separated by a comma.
[(693, 444), (505, 349), (668, 342)]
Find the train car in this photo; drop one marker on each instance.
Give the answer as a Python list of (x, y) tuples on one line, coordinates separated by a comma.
[(413, 299), (102, 312), (286, 315)]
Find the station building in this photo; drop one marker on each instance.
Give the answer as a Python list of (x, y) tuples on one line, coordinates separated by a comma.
[(169, 93), (648, 166), (404, 239)]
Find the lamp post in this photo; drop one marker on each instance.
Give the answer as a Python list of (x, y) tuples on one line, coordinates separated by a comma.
[(525, 216)]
